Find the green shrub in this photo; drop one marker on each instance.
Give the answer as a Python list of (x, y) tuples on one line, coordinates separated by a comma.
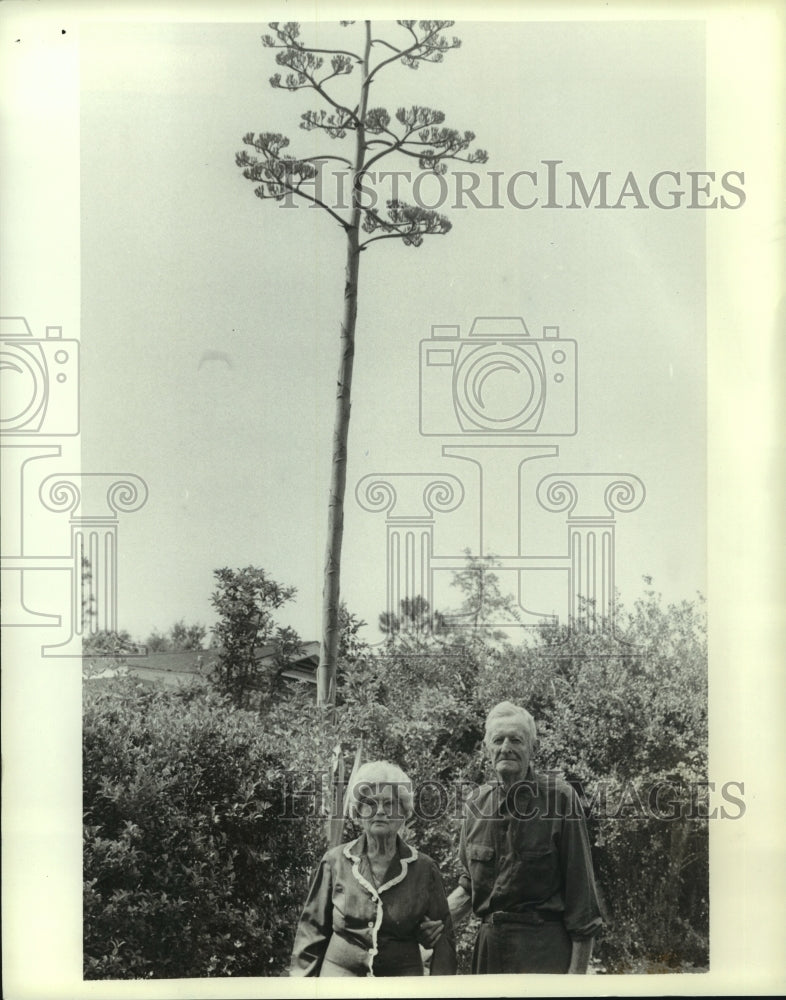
[(191, 871), (616, 715), (188, 868)]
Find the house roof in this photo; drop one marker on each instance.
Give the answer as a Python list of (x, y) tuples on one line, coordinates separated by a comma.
[(171, 667), (304, 666)]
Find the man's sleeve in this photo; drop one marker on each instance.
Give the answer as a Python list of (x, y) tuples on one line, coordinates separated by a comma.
[(464, 880), (316, 924), (443, 961), (583, 917)]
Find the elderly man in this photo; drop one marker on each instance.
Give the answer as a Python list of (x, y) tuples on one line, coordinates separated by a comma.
[(525, 860)]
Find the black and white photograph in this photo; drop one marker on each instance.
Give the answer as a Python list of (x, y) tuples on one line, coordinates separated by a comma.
[(392, 557)]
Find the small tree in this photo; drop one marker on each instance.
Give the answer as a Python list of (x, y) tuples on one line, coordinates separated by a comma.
[(158, 642), (187, 637), (180, 638), (416, 133), (415, 619), (483, 603), (253, 648)]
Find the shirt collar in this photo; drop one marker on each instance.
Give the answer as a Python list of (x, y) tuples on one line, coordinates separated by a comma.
[(508, 801), (355, 852), (355, 849)]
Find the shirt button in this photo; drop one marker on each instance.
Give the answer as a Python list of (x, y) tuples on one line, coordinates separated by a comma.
[(371, 923)]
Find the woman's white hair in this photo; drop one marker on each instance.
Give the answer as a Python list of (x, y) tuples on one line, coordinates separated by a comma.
[(377, 775)]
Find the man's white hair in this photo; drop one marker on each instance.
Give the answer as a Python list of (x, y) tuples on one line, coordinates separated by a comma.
[(513, 713), (378, 775)]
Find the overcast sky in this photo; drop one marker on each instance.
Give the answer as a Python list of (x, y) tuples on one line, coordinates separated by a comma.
[(179, 258)]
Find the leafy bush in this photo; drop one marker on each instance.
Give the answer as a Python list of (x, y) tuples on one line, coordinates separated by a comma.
[(188, 868), (618, 716), (191, 871), (622, 717)]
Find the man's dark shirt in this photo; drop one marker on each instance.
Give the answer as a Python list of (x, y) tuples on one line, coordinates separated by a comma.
[(528, 850)]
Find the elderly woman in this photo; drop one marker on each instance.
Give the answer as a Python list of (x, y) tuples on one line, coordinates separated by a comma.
[(373, 901)]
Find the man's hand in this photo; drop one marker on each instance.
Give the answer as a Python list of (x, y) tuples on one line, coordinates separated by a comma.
[(460, 903), (429, 932), (579, 957)]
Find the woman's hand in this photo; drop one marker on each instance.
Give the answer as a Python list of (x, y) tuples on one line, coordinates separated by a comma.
[(429, 932)]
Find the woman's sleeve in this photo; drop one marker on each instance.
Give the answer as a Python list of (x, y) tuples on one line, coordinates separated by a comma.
[(315, 925), (443, 960)]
